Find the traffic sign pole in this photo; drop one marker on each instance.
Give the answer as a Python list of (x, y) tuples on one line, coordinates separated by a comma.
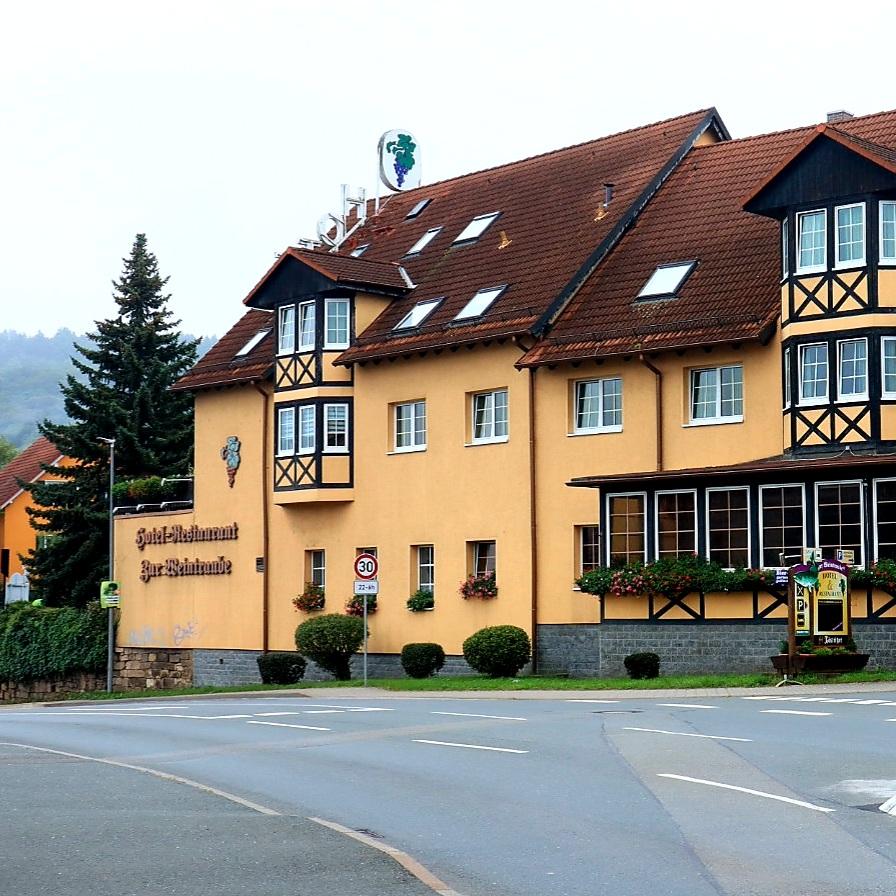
[(364, 596), (367, 569)]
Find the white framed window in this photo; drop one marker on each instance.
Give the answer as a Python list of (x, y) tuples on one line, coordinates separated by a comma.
[(307, 326), (286, 431), (811, 248), (717, 395), (417, 209), (852, 369), (888, 232), (626, 524), (410, 426), (307, 429), (597, 406), (336, 314), (782, 524), (587, 548), (484, 558), (359, 251), (787, 384), (252, 343), (426, 568), (885, 519), (335, 428), (418, 314), (489, 417), (888, 366), (849, 235), (676, 523), (666, 280), (476, 227), (728, 526), (840, 519), (814, 373), (286, 329), (785, 263), (424, 240), (480, 303), (316, 567)]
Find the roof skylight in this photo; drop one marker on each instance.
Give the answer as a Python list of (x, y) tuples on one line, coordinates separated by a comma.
[(480, 303), (666, 280), (251, 343), (424, 240), (476, 227), (359, 251), (417, 314), (417, 209)]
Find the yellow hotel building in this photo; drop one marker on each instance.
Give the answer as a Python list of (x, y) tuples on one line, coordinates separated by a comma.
[(662, 341)]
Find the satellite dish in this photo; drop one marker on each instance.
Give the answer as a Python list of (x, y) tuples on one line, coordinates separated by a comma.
[(399, 160)]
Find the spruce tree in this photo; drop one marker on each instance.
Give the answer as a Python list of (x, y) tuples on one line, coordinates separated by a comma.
[(122, 392)]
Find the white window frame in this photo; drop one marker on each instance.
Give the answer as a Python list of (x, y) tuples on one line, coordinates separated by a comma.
[(856, 262), (874, 515), (788, 382), (802, 487), (885, 259), (785, 257), (476, 228), (666, 280), (304, 308), (284, 449), (857, 482), (490, 401), (580, 547), (414, 445), (334, 343), (886, 393), (607, 531), (418, 314), (477, 546), (286, 337), (708, 534), (306, 410), (431, 565), (322, 566), (815, 268), (718, 418), (424, 241), (601, 427), (480, 303), (820, 399), (327, 449), (853, 396), (253, 341), (656, 517)]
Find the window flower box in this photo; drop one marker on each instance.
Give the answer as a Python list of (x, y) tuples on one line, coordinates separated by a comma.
[(483, 587)]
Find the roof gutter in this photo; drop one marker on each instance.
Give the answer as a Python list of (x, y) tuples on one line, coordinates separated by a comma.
[(265, 522)]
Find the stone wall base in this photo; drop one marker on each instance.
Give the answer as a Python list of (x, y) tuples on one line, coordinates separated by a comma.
[(52, 688), (158, 668)]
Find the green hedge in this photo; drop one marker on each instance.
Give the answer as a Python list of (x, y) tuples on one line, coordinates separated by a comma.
[(50, 642)]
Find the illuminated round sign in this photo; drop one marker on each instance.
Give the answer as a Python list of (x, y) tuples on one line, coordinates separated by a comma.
[(399, 160)]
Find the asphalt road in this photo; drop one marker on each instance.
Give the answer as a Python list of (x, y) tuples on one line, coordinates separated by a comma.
[(569, 796)]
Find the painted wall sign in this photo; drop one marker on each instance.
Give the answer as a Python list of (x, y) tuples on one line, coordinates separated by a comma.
[(399, 160), (230, 454), (185, 534), (174, 568)]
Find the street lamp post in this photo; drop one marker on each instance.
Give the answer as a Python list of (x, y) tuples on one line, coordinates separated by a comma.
[(110, 652)]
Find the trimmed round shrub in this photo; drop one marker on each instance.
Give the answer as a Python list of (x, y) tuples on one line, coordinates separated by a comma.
[(642, 665), (281, 668), (422, 660), (330, 641), (499, 650)]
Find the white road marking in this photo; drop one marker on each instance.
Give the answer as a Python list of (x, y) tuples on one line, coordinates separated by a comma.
[(444, 743), (570, 700), (868, 702), (745, 740), (889, 806), (762, 793), (796, 712), (476, 715), (348, 708), (868, 789), (688, 705), (277, 713), (289, 725), (127, 708), (144, 715), (324, 712)]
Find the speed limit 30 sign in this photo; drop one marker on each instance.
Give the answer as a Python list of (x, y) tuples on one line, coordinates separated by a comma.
[(367, 567)]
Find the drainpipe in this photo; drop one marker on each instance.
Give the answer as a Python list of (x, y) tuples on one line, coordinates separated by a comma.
[(265, 504), (658, 378)]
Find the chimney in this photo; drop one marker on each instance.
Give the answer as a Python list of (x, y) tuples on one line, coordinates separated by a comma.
[(839, 115)]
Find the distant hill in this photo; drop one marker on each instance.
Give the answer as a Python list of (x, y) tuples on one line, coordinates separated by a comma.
[(31, 369)]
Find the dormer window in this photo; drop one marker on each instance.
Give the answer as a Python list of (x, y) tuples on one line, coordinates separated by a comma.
[(666, 280), (357, 253), (849, 235), (811, 230), (417, 209), (252, 343), (476, 228), (417, 314), (480, 303), (424, 240)]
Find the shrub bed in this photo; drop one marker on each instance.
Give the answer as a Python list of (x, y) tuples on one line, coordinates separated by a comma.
[(498, 650), (422, 660), (642, 665), (330, 641), (281, 668)]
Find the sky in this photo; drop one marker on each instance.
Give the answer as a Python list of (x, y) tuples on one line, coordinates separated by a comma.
[(223, 130)]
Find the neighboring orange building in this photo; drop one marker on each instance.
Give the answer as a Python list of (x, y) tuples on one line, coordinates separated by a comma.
[(16, 533)]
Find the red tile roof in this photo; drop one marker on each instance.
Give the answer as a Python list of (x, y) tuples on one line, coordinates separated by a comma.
[(26, 466), (734, 292), (220, 365)]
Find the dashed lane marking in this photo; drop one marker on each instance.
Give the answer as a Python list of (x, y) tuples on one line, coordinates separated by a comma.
[(796, 712), (748, 790), (445, 743), (688, 705), (290, 725), (476, 715), (745, 740), (277, 713), (573, 700)]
